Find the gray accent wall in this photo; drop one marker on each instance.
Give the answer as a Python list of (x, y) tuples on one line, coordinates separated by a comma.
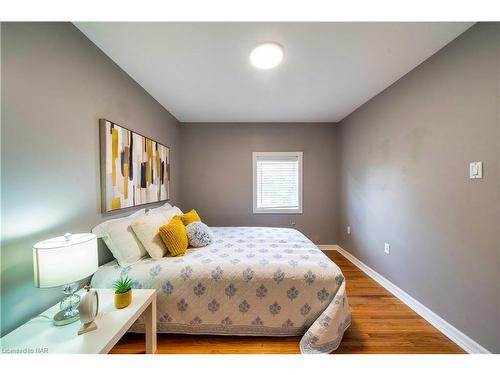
[(56, 84), (216, 174), (403, 169)]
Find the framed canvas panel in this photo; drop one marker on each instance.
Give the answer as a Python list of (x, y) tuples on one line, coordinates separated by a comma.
[(135, 170)]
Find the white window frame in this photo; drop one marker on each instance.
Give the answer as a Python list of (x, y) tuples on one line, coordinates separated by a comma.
[(256, 155)]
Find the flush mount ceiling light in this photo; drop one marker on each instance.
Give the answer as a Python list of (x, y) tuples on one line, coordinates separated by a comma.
[(266, 55)]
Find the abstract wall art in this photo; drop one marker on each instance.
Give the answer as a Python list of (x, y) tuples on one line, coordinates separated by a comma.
[(135, 169)]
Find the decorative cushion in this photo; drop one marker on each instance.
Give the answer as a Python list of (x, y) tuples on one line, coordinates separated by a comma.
[(118, 235), (146, 228), (190, 217), (199, 234), (174, 236)]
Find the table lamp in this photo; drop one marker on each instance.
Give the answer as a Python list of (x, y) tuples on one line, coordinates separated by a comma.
[(63, 261)]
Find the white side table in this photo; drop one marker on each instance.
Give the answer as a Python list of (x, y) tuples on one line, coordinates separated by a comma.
[(39, 335)]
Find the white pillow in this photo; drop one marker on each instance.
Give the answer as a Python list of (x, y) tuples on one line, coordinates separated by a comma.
[(147, 227), (168, 213), (166, 206), (121, 240)]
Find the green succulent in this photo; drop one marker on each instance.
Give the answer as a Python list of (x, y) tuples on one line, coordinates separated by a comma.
[(123, 285)]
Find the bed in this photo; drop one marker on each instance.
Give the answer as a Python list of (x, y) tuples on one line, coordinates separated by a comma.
[(249, 281)]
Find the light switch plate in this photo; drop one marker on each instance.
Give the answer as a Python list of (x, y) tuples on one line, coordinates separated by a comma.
[(476, 169), (348, 229), (387, 248)]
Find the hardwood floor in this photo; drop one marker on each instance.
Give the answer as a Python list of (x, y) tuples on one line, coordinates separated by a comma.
[(381, 324)]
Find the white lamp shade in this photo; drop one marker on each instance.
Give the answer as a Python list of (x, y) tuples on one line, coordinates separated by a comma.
[(66, 259)]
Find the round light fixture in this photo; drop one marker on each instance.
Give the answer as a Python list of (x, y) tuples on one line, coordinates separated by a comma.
[(266, 55)]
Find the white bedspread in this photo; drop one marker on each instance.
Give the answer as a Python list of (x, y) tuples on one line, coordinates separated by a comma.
[(250, 281)]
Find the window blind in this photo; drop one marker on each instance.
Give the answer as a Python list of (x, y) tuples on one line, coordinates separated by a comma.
[(277, 184)]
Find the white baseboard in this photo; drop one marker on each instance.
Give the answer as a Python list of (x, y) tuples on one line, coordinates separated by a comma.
[(455, 335), (328, 247)]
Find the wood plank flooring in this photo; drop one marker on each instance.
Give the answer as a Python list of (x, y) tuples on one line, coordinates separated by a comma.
[(381, 324)]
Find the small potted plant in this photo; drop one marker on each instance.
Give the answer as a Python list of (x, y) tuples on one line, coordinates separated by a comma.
[(123, 292)]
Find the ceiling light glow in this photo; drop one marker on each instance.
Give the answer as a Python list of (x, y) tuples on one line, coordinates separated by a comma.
[(266, 55)]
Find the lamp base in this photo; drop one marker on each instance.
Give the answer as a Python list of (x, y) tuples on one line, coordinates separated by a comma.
[(62, 318), (69, 306)]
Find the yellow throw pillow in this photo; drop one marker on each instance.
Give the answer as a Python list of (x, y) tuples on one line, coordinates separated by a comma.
[(174, 236), (190, 217)]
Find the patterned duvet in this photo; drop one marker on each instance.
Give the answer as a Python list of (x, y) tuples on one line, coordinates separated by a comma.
[(250, 281)]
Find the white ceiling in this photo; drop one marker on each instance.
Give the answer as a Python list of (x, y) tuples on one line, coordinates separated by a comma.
[(200, 72)]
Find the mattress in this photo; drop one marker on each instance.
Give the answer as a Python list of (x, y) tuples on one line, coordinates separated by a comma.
[(249, 281)]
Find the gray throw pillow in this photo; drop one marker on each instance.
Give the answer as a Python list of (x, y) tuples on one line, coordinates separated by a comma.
[(199, 234)]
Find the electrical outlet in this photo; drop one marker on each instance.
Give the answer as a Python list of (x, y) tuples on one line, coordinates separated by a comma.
[(387, 248), (293, 223), (348, 229)]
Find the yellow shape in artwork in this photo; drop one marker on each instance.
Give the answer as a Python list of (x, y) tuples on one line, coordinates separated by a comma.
[(115, 204)]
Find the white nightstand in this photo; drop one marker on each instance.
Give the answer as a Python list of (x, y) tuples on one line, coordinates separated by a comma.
[(39, 335)]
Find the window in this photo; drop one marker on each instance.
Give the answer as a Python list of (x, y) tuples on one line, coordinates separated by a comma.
[(277, 182)]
